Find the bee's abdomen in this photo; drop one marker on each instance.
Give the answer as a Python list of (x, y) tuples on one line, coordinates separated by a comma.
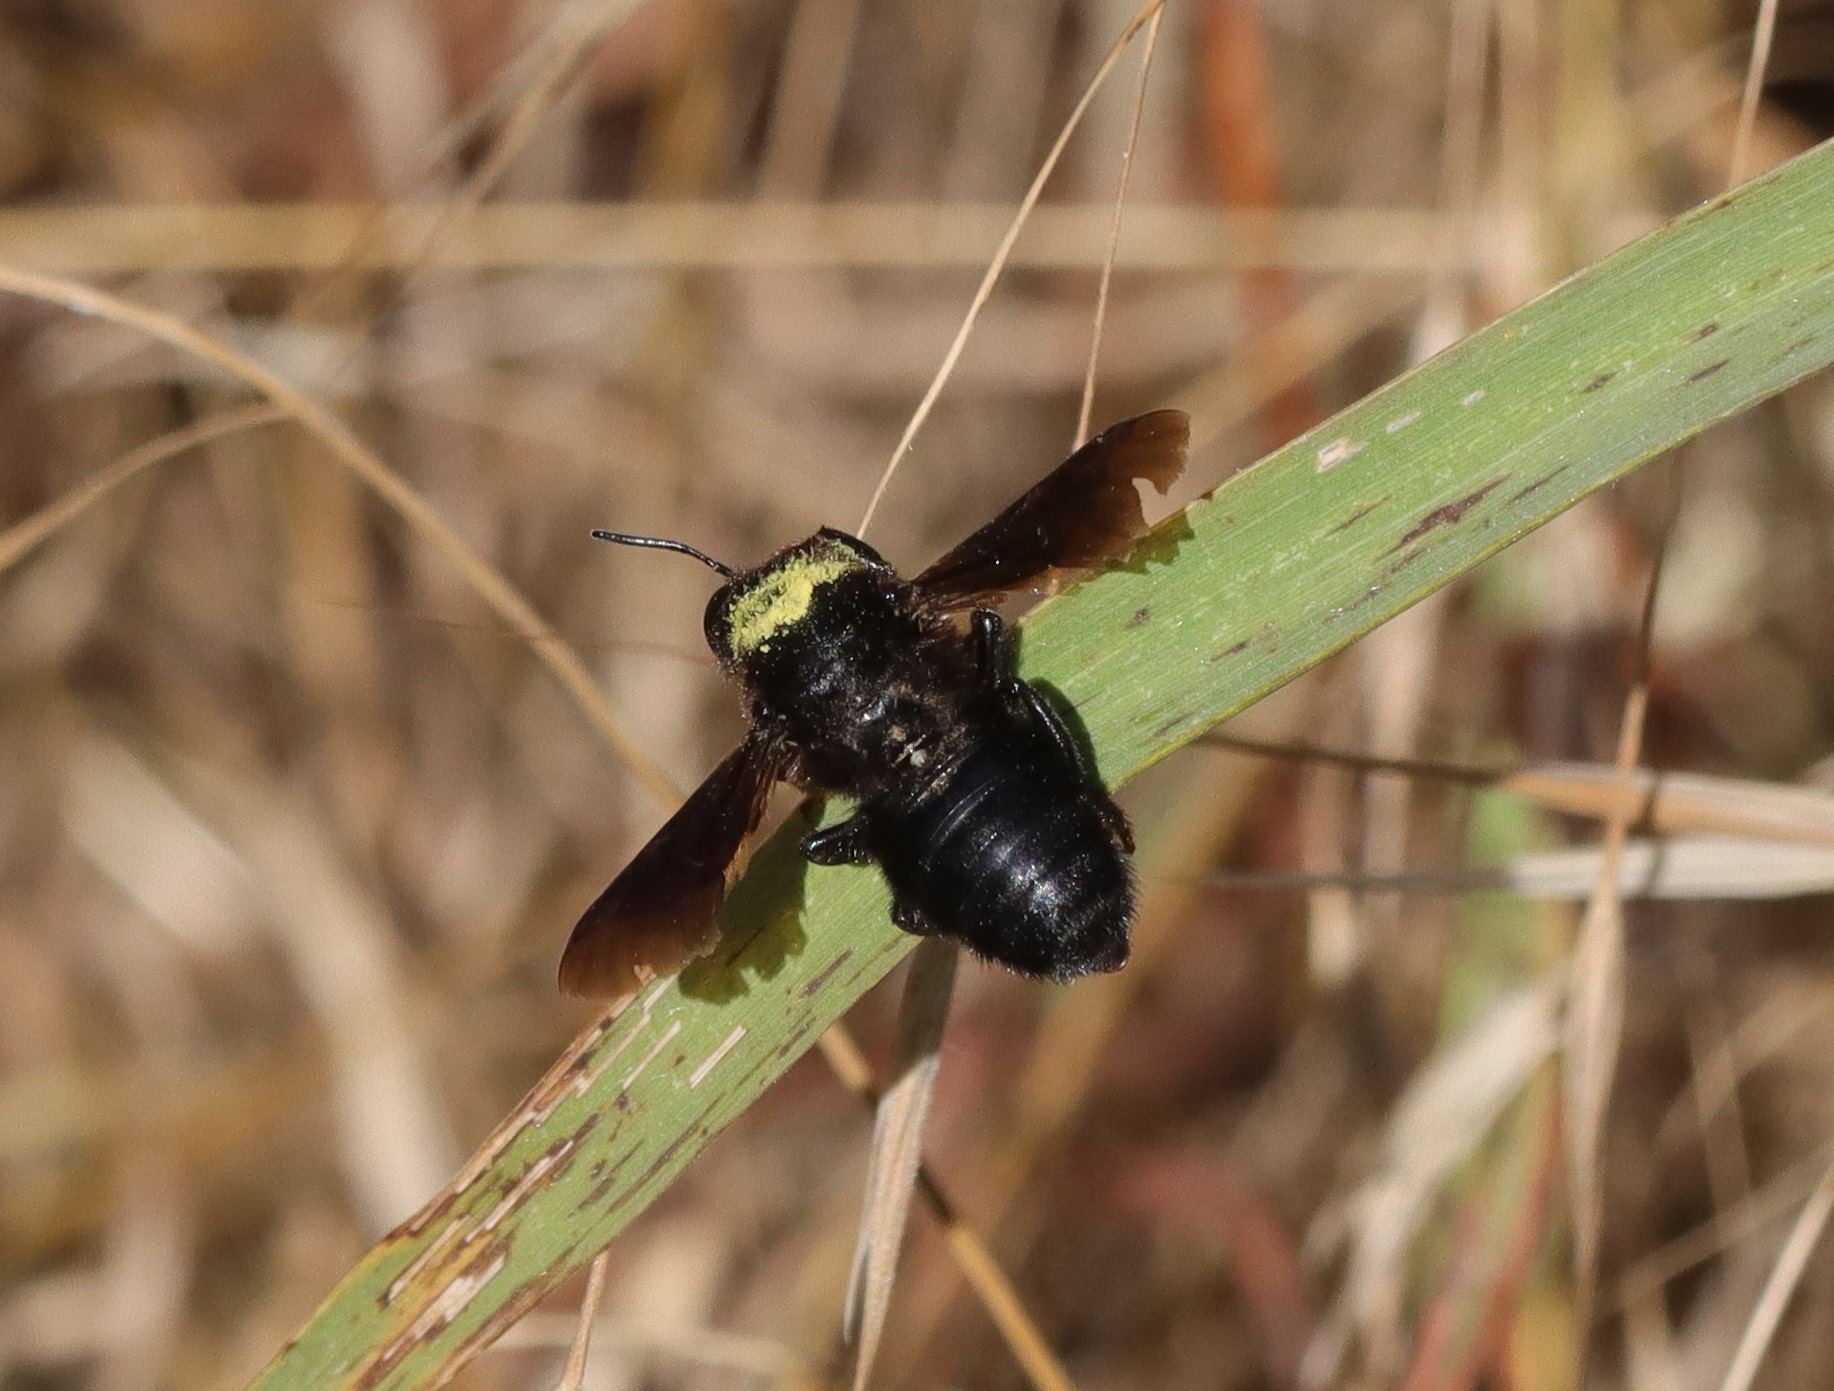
[(1013, 856)]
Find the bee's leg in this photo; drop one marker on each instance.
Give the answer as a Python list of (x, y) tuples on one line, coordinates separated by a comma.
[(993, 667), (1022, 698), (906, 918), (843, 843), (1039, 713), (1042, 716), (991, 663)]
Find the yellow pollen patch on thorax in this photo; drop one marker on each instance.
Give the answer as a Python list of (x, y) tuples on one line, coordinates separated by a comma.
[(781, 598)]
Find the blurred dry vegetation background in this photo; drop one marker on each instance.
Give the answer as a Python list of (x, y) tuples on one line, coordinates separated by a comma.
[(292, 829)]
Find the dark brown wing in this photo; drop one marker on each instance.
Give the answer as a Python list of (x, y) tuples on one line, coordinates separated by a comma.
[(658, 915), (1084, 514)]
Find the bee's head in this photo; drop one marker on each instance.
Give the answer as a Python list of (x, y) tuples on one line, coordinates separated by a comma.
[(753, 607)]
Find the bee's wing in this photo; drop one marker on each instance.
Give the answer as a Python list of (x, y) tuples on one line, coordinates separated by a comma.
[(658, 914), (1084, 514)]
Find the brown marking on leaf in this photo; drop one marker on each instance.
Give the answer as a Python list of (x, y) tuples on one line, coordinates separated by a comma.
[(1603, 379), (793, 1043), (605, 1183), (480, 1162), (1141, 616), (595, 1196), (1706, 330), (421, 1220), (1358, 515), (759, 1062), (451, 1239), (580, 1064), (1447, 515), (1709, 370), (668, 1036), (501, 1319), (1166, 728), (1235, 649), (822, 977), (434, 1249), (446, 1305), (572, 1075), (584, 1128), (562, 1084), (382, 1366), (1538, 484), (550, 1164), (1405, 561), (666, 1155)]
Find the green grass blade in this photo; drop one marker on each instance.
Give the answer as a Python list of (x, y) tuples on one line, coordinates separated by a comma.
[(1287, 563)]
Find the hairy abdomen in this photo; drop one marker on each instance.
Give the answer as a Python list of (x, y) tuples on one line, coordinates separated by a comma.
[(1013, 855)]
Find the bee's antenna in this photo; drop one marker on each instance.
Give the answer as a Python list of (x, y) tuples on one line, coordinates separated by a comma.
[(624, 538)]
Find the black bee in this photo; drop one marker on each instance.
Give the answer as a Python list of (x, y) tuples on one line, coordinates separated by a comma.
[(973, 797)]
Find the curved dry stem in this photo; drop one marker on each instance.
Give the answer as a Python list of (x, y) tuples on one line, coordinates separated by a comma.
[(1114, 235), (491, 587), (23, 537), (1000, 256)]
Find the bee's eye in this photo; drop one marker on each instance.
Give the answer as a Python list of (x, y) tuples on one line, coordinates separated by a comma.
[(867, 553), (850, 545), (715, 622)]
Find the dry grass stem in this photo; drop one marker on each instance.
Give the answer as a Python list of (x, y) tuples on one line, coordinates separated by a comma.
[(1086, 412), (768, 234), (573, 1376), (1000, 255), (969, 1250), (20, 539), (1785, 1276), (509, 606), (897, 1148), (1763, 36)]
